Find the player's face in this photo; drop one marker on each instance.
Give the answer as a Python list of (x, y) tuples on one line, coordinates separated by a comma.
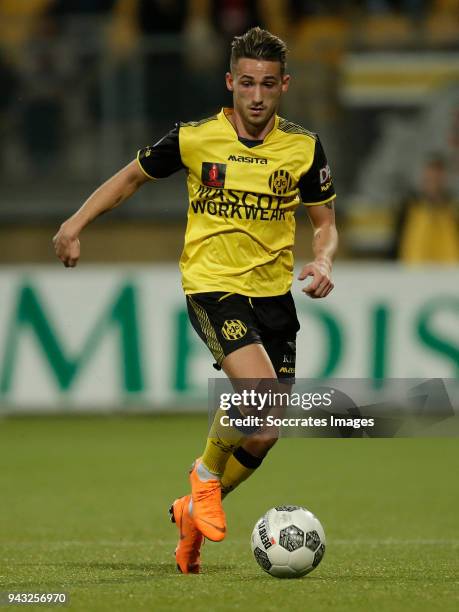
[(257, 87)]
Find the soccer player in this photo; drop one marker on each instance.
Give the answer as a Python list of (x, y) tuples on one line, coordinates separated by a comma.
[(247, 171)]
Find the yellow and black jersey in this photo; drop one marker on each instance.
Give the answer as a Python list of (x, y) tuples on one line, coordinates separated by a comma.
[(242, 198)]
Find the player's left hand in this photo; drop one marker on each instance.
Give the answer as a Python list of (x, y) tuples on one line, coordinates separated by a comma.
[(321, 284)]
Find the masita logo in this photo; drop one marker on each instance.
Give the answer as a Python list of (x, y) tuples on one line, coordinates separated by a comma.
[(246, 159)]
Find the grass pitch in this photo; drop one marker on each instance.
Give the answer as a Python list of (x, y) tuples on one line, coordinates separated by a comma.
[(84, 510)]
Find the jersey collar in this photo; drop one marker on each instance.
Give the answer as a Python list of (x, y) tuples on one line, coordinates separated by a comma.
[(223, 117)]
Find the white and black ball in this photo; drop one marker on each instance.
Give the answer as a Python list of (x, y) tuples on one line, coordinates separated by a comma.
[(288, 542)]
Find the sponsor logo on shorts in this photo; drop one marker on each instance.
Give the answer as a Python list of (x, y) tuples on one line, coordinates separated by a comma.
[(213, 174), (285, 370), (280, 182), (233, 329)]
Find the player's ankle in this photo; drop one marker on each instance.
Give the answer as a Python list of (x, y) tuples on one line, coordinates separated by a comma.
[(204, 474)]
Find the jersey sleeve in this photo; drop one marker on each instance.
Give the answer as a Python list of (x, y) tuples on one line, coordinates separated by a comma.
[(163, 158), (316, 185)]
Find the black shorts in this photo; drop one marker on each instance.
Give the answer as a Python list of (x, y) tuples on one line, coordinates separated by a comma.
[(228, 321)]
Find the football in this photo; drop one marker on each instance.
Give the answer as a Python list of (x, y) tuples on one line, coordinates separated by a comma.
[(288, 542)]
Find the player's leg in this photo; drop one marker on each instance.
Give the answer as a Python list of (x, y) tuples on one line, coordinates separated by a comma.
[(229, 327), (225, 322), (278, 325), (249, 362)]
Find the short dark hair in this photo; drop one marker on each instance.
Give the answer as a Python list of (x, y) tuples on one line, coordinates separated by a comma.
[(259, 44)]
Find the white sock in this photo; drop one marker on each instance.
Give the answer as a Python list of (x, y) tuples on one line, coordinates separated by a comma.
[(204, 474)]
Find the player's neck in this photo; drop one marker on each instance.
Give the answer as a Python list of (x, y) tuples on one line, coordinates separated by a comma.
[(251, 132)]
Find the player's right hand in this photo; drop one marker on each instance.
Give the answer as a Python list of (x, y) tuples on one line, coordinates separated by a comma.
[(67, 247)]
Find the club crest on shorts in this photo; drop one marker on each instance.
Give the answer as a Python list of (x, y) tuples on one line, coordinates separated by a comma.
[(280, 182), (213, 174), (233, 329)]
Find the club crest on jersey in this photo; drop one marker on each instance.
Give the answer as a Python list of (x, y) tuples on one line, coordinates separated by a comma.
[(213, 174), (233, 329), (280, 182)]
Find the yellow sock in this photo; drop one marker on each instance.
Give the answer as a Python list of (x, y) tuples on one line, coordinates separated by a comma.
[(238, 468), (221, 442)]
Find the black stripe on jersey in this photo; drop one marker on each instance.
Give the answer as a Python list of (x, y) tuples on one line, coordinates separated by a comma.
[(200, 122), (293, 128)]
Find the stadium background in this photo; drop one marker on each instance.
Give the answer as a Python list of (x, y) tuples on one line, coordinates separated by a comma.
[(84, 84)]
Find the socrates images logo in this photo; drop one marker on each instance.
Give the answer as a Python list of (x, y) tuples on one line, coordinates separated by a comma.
[(233, 329)]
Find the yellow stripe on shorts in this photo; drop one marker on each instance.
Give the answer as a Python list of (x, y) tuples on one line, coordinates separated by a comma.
[(209, 332)]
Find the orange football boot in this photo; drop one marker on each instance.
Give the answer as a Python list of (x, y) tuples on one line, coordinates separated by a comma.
[(207, 510), (187, 553)]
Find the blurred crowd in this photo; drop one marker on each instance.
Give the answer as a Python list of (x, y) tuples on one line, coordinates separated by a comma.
[(426, 228), (73, 69)]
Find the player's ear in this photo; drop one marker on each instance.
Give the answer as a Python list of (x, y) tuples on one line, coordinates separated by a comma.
[(229, 81), (285, 82)]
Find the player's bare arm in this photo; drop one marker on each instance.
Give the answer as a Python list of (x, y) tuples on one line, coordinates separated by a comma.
[(112, 193), (324, 245)]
